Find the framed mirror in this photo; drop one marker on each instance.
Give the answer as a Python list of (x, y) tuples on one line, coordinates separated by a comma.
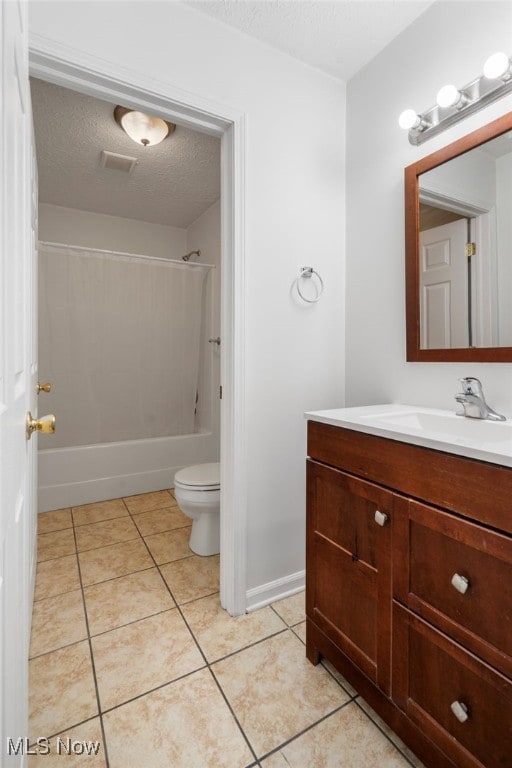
[(458, 241)]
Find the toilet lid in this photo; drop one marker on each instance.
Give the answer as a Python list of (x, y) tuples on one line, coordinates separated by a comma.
[(200, 475)]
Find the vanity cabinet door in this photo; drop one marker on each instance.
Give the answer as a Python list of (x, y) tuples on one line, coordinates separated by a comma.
[(460, 703), (348, 568), (457, 574)]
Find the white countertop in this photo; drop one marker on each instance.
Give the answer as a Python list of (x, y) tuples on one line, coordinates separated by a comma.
[(428, 427)]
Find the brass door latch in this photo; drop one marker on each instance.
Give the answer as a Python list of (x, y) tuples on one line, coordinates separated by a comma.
[(45, 424)]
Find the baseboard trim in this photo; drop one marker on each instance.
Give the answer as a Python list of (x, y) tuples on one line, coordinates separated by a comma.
[(287, 586)]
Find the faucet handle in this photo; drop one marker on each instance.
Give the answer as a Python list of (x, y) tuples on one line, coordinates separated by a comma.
[(471, 386)]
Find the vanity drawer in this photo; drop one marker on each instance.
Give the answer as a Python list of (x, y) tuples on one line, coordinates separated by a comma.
[(457, 575), (432, 676)]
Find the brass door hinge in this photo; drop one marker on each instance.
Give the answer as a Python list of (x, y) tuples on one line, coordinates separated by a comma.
[(470, 249)]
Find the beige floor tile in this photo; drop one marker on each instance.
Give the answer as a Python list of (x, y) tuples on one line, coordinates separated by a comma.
[(116, 560), (105, 533), (147, 501), (56, 622), (120, 601), (54, 521), (218, 633), (389, 733), (99, 511), (55, 544), (62, 691), (184, 725), (170, 545), (347, 738), (192, 578), (54, 577), (292, 609), (275, 692), (80, 747), (161, 520), (139, 657), (300, 631)]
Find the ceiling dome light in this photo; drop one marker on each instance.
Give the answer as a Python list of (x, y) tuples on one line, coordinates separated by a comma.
[(141, 128), (497, 66), (449, 96)]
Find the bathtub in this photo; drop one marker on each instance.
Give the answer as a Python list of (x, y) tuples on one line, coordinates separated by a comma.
[(84, 474)]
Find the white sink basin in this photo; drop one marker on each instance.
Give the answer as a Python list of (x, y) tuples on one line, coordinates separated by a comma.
[(442, 430)]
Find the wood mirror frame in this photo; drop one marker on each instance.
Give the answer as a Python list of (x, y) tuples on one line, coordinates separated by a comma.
[(412, 270)]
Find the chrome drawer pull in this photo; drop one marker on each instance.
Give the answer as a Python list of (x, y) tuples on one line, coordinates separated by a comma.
[(460, 583), (460, 711), (380, 517)]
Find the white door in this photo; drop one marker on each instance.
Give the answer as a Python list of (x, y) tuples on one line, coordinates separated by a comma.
[(444, 286), (17, 380)]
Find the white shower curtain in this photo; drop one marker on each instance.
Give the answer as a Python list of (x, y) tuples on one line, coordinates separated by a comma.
[(119, 339)]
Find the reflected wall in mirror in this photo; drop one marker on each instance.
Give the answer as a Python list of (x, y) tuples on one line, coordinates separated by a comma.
[(458, 231)]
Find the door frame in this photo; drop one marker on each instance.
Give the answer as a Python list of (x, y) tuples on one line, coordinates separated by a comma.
[(72, 68)]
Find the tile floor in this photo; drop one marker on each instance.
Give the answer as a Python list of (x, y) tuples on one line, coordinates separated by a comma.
[(134, 664)]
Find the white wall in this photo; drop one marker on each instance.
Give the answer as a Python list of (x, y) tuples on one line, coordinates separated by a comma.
[(111, 233), (204, 235), (448, 43), (294, 216)]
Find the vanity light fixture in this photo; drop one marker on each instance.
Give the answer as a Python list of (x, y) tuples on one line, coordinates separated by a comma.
[(449, 96), (453, 104), (410, 119), (141, 128), (498, 66)]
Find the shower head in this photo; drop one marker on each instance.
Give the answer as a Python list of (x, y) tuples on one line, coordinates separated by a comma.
[(187, 256)]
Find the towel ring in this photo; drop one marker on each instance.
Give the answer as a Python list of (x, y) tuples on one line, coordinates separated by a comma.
[(307, 273)]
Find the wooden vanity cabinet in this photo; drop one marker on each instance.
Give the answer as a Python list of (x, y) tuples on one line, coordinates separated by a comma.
[(408, 590)]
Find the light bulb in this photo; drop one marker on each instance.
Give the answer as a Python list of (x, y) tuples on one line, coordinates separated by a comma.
[(448, 96), (496, 66), (409, 119)]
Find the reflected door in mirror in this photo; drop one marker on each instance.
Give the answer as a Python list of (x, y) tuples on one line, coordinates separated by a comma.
[(444, 318)]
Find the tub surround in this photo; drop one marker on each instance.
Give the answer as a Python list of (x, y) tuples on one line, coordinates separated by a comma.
[(408, 549)]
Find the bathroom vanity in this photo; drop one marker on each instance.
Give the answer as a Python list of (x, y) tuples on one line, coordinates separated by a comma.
[(409, 574)]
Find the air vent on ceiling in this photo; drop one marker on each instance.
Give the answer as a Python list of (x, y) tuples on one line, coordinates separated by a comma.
[(114, 162)]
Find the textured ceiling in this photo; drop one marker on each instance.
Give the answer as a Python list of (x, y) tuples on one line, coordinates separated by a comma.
[(336, 36), (172, 184)]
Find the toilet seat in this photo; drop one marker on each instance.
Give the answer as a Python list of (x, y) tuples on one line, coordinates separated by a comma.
[(200, 477)]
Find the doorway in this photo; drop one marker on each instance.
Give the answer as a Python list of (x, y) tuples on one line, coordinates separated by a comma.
[(107, 85)]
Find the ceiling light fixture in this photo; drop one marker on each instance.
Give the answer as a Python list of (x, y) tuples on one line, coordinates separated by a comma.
[(141, 128), (453, 104)]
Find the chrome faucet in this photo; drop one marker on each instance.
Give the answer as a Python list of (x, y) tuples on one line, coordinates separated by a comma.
[(473, 401)]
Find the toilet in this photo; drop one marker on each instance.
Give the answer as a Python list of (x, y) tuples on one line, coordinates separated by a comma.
[(197, 493)]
